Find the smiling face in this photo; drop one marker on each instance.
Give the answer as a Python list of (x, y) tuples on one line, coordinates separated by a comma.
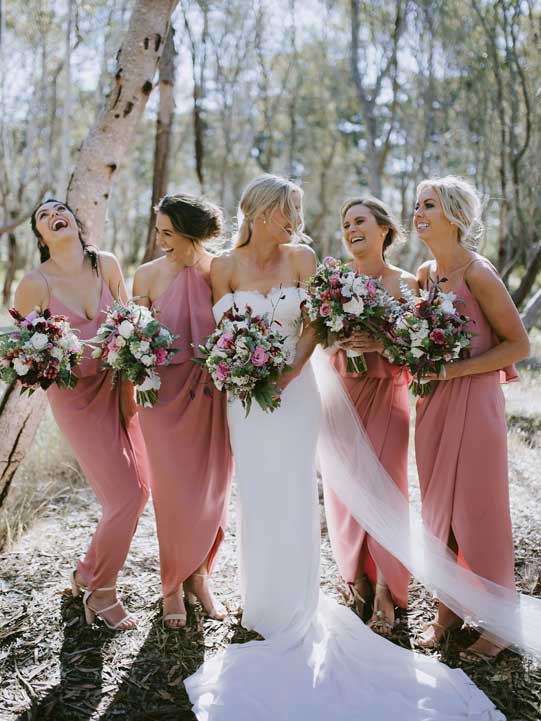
[(281, 225), (361, 232), (429, 219), (54, 223), (174, 244)]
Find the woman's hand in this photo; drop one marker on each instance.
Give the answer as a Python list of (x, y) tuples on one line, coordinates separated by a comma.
[(128, 406), (362, 343), (286, 378)]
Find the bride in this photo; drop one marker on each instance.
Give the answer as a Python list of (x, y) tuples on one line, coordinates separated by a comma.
[(318, 661)]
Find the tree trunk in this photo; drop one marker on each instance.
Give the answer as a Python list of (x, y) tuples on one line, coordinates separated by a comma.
[(529, 278), (532, 313), (109, 139), (88, 192), (10, 269), (162, 145)]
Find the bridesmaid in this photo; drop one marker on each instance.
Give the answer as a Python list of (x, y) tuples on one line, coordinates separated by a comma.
[(461, 433), (381, 398), (186, 431), (78, 282)]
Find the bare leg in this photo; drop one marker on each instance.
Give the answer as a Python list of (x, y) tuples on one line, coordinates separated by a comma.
[(198, 588)]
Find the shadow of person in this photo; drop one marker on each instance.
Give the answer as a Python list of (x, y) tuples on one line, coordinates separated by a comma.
[(154, 685), (78, 693)]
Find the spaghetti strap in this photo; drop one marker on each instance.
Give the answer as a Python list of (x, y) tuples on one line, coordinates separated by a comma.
[(48, 288)]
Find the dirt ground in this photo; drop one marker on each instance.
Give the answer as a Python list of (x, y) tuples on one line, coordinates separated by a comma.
[(54, 667)]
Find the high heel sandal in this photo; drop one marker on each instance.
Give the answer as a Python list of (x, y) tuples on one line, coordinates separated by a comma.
[(91, 614), (181, 616), (475, 657), (380, 623), (76, 588), (436, 640), (218, 611), (360, 602)]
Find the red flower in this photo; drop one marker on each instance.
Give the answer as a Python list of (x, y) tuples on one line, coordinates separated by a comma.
[(438, 336)]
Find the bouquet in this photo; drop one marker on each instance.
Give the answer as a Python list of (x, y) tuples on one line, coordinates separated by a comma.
[(341, 301), (133, 343), (245, 356), (429, 333), (41, 350)]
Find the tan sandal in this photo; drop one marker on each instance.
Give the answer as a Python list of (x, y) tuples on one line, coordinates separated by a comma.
[(360, 603), (436, 640), (91, 614)]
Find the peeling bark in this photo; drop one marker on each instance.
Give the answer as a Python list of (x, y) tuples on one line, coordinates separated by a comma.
[(109, 139)]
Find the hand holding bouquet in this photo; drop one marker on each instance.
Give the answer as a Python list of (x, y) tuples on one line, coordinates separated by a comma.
[(40, 351), (429, 333), (245, 356), (133, 343), (342, 301)]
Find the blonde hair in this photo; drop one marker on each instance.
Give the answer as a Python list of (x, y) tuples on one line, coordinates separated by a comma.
[(383, 215), (267, 192), (461, 205)]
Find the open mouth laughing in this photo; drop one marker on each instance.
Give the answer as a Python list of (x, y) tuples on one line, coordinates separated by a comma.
[(59, 224)]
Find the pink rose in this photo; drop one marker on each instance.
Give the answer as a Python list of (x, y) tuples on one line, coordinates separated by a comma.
[(325, 310), (330, 261), (225, 340), (222, 371), (438, 336), (259, 356), (161, 356)]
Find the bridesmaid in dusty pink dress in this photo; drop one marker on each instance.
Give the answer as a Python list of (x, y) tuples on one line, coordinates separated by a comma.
[(461, 433), (186, 431), (98, 420), (381, 398)]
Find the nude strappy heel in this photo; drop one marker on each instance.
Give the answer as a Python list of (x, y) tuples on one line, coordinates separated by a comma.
[(218, 611), (76, 588), (91, 614)]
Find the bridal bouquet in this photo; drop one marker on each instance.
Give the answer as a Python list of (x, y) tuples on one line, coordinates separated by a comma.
[(245, 356), (429, 333), (133, 343), (341, 301), (41, 350)]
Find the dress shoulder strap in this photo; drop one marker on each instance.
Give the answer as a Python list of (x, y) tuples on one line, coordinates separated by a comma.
[(48, 288)]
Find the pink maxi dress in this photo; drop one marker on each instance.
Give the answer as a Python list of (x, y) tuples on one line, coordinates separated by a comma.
[(380, 397), (113, 459), (461, 449), (187, 439)]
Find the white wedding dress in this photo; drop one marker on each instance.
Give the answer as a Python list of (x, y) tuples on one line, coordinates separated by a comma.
[(318, 661)]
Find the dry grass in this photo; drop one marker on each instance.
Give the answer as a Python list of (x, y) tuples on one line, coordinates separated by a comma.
[(54, 667), (45, 479)]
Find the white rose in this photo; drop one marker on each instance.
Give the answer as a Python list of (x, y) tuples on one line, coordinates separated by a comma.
[(39, 341), (354, 306), (337, 324), (446, 304), (57, 353), (112, 357), (151, 383), (147, 360), (126, 329), (359, 287), (347, 290), (20, 368)]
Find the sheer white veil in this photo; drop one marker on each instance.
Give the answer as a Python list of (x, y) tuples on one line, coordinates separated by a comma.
[(350, 466)]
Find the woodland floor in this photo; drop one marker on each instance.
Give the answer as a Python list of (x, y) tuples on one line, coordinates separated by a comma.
[(54, 667)]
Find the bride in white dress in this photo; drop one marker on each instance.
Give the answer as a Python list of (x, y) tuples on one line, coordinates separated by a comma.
[(318, 661)]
